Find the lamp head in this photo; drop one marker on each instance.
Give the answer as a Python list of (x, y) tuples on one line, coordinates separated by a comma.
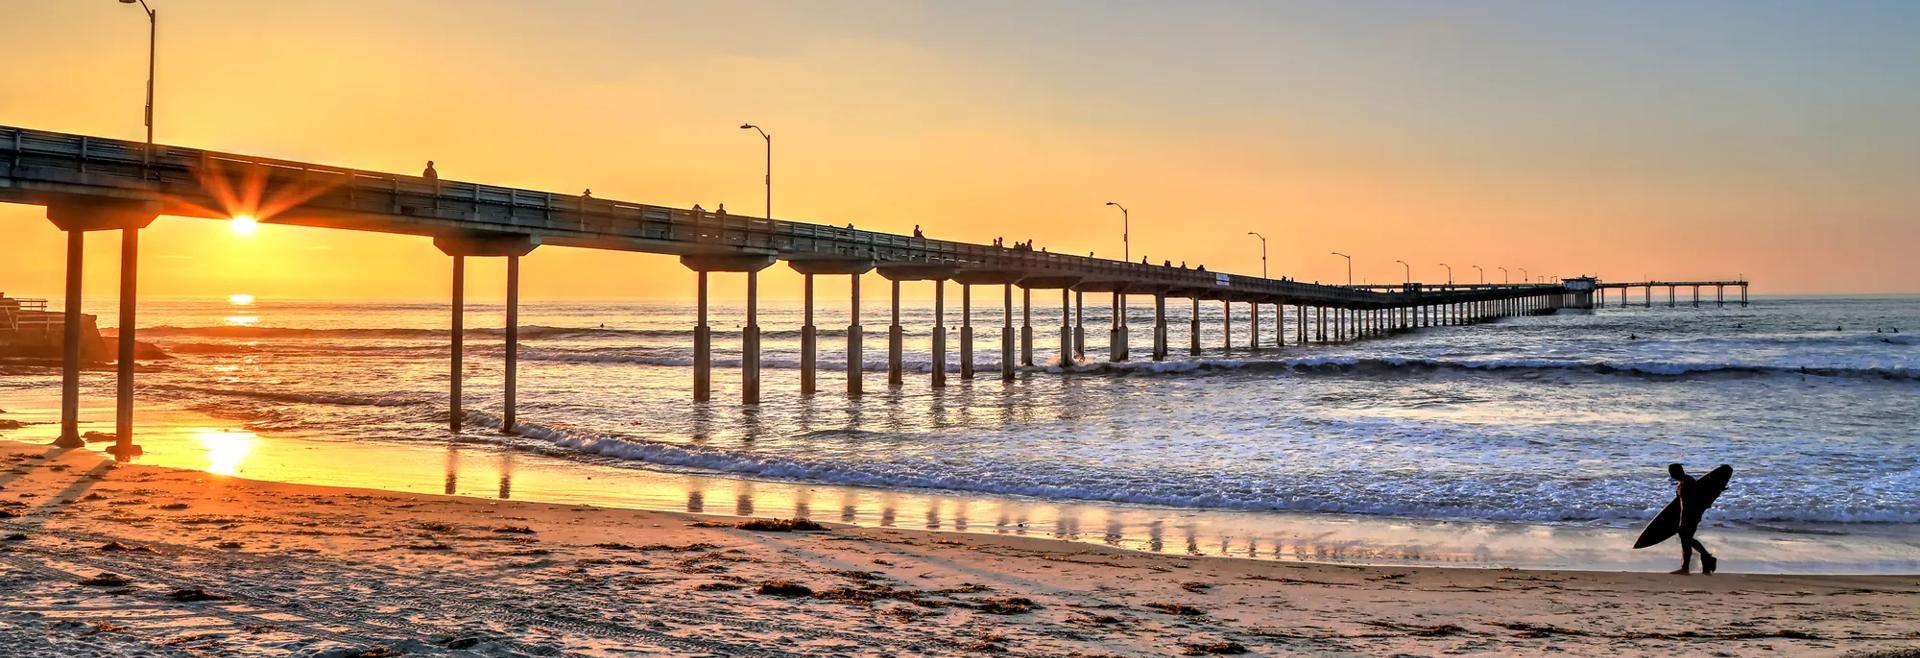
[(744, 126)]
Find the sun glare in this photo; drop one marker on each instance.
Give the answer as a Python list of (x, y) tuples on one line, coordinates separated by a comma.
[(240, 299), (243, 225)]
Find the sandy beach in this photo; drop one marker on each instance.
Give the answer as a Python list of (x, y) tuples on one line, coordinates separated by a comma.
[(107, 559)]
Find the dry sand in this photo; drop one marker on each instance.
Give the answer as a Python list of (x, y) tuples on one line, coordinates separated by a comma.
[(117, 560)]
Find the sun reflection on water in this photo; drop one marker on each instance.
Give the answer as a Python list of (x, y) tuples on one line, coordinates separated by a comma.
[(226, 449)]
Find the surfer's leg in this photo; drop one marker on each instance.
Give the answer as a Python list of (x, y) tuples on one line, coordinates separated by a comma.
[(1707, 561), (1687, 545)]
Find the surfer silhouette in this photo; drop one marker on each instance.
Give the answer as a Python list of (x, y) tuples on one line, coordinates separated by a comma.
[(1692, 497)]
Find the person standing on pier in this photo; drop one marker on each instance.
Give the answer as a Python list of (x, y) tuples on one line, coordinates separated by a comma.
[(431, 175)]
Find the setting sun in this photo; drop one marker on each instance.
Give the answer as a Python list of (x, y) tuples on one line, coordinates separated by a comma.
[(240, 299), (243, 225)]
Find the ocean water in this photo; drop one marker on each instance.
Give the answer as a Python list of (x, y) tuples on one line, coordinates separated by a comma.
[(1565, 419)]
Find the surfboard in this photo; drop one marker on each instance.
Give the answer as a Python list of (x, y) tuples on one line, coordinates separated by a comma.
[(1666, 524)]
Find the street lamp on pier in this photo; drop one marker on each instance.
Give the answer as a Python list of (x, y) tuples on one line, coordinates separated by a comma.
[(1449, 273), (1409, 269), (1126, 253), (1504, 277), (153, 32), (1483, 273), (1349, 267), (769, 177), (1263, 252)]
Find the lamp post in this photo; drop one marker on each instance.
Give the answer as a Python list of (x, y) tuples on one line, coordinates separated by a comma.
[(769, 178), (1483, 273), (1504, 277), (1409, 269), (1349, 267), (153, 33), (1523, 276), (1126, 253), (1263, 252), (1449, 273)]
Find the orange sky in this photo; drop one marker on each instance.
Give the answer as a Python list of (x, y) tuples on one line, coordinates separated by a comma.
[(1702, 142)]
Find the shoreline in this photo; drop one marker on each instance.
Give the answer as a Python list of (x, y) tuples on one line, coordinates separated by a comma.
[(301, 568), (480, 466)]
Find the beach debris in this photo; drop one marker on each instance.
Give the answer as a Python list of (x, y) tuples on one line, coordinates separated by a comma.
[(1181, 609), (430, 546), (105, 627), (780, 525), (229, 545), (172, 506), (1007, 605), (17, 536), (98, 437), (1197, 588), (1218, 648), (716, 587), (106, 580), (8, 514), (192, 594), (514, 530), (117, 547), (779, 587)]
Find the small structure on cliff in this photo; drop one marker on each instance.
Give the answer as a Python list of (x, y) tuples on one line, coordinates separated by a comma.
[(28, 330)]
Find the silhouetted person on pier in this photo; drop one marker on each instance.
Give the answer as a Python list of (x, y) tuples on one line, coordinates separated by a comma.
[(1695, 496), (722, 210), (587, 194), (916, 231), (1203, 267), (1166, 263), (697, 209), (431, 175)]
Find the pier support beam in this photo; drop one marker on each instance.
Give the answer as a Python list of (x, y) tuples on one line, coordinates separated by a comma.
[(1079, 325), (750, 343), (856, 354), (1253, 325), (1300, 324), (1720, 295), (76, 218), (487, 245), (966, 331), (856, 333), (458, 338), (1026, 327), (1226, 325), (1066, 329), (808, 345), (1117, 329), (939, 333), (895, 337), (750, 265), (509, 412), (1006, 335), (1193, 328), (1159, 326)]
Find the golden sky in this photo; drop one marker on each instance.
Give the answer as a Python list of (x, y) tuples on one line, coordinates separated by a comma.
[(1623, 140)]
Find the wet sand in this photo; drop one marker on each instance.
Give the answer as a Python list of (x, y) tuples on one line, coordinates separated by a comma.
[(105, 559)]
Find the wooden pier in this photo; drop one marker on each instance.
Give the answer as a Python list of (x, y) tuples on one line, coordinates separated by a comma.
[(97, 184)]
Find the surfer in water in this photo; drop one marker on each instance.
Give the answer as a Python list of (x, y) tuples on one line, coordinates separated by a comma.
[(1694, 497)]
